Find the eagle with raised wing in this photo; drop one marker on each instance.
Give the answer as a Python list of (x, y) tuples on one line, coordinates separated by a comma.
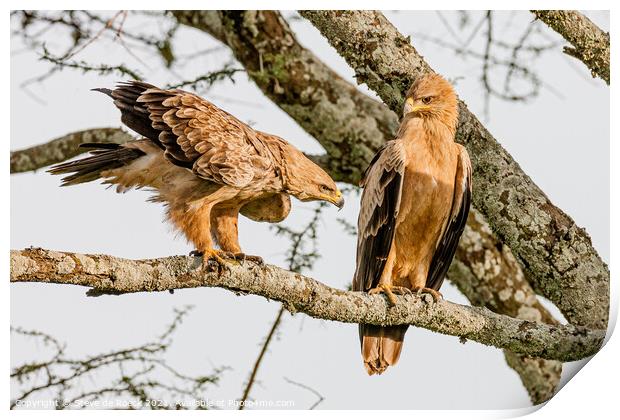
[(204, 164), (416, 198)]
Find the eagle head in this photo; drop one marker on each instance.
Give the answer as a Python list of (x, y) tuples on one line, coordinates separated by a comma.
[(432, 98)]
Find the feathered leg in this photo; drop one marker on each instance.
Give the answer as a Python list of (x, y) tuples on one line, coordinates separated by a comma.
[(224, 228)]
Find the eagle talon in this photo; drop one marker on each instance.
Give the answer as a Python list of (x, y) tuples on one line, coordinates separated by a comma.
[(437, 296), (401, 290), (195, 253), (240, 256), (213, 259), (389, 291)]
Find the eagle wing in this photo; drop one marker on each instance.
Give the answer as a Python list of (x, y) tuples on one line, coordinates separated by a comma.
[(194, 133), (456, 223), (382, 182)]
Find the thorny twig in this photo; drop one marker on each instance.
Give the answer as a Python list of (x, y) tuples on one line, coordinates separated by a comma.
[(498, 53), (101, 69), (83, 28), (207, 80), (298, 259), (142, 374)]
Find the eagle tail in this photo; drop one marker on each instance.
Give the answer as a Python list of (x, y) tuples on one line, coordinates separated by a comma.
[(103, 157), (381, 346)]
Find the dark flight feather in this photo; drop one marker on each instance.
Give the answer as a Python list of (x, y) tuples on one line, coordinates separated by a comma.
[(106, 156), (382, 198), (442, 258)]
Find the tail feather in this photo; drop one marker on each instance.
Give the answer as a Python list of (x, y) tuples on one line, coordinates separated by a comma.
[(381, 346), (106, 156)]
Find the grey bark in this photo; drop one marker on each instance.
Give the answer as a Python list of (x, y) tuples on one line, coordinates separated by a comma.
[(487, 273), (557, 255), (110, 275), (331, 113), (589, 43), (62, 148)]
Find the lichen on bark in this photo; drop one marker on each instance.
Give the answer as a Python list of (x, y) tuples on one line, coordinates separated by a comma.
[(589, 43)]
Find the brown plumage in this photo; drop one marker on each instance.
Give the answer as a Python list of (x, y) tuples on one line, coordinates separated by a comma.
[(204, 164), (414, 207)]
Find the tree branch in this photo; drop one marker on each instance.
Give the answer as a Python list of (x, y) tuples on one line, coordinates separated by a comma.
[(62, 148), (110, 275), (557, 255), (589, 43)]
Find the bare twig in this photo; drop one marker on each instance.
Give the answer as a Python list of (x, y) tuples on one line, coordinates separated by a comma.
[(108, 24), (261, 354), (102, 69), (298, 258), (207, 80), (307, 388), (138, 385)]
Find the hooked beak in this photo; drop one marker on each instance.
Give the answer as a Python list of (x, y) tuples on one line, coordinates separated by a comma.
[(410, 107), (338, 201)]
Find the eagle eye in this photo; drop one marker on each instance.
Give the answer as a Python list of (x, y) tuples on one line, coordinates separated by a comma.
[(324, 188), (427, 100)]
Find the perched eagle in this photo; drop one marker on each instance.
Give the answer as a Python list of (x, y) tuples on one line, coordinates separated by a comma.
[(204, 164), (414, 207)]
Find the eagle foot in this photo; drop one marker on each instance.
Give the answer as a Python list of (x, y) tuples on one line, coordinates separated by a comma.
[(240, 256), (213, 260), (437, 296), (390, 292)]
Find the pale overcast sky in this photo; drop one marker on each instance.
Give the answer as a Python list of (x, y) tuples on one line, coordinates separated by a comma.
[(560, 138)]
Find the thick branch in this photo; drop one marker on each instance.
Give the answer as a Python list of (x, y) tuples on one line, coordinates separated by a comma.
[(557, 254), (106, 274), (62, 148), (589, 43)]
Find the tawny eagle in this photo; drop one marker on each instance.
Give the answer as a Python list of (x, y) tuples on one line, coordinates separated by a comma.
[(204, 164), (414, 207)]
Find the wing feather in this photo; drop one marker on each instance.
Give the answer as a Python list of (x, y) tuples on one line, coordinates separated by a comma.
[(382, 182), (194, 133), (449, 241)]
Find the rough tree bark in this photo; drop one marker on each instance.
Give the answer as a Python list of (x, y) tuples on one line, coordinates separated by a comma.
[(589, 43), (110, 275), (62, 148), (351, 127), (557, 255)]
